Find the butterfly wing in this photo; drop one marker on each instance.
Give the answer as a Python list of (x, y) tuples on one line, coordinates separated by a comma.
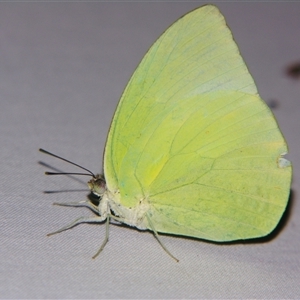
[(192, 136)]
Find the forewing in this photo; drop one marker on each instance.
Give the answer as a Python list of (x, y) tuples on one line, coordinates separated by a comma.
[(195, 55), (191, 136)]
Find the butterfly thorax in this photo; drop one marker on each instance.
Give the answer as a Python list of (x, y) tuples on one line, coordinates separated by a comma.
[(110, 205)]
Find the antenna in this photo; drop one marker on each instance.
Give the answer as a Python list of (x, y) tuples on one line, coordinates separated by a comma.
[(58, 173)]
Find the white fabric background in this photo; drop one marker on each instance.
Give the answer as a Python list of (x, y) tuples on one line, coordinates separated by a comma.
[(63, 67)]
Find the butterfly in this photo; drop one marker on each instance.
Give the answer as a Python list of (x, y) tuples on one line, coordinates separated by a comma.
[(192, 149)]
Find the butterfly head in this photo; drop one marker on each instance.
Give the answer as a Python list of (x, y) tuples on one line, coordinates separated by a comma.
[(97, 185)]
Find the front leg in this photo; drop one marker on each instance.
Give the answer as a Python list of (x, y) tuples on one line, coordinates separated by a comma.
[(84, 203), (98, 219)]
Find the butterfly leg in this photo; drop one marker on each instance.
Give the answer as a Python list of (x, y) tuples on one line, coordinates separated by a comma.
[(80, 220), (105, 239), (107, 232), (84, 203), (158, 238)]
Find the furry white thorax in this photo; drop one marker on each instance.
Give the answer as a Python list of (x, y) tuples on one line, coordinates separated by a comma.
[(134, 216), (110, 205)]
